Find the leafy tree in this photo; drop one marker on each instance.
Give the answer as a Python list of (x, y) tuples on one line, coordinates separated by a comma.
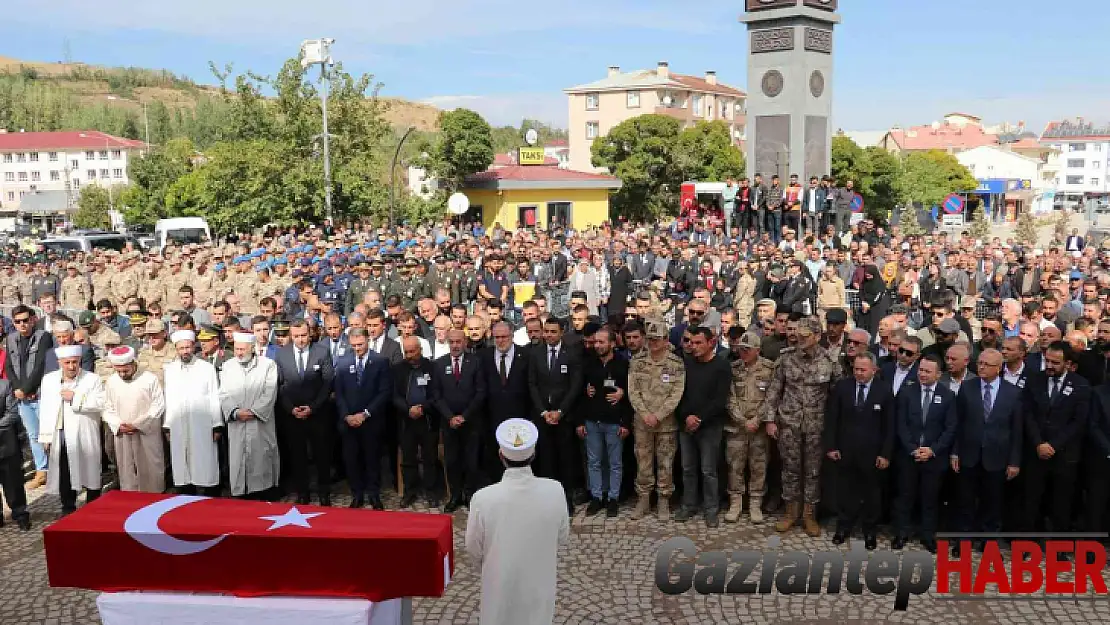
[(849, 161), (874, 171), (927, 177), (641, 152), (464, 147), (980, 227), (1026, 230), (92, 208), (705, 151), (1060, 226), (152, 175)]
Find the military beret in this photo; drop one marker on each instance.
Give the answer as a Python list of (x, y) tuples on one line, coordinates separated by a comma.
[(836, 315), (208, 332)]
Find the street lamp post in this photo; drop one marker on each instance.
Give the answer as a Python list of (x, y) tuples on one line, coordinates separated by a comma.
[(318, 52), (393, 173)]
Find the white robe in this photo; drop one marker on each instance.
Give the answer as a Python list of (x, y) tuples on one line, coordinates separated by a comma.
[(513, 533), (192, 411), (140, 456), (81, 429), (252, 444)]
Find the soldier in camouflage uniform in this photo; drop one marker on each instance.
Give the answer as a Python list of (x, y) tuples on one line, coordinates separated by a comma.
[(656, 379), (795, 416), (447, 277), (153, 288), (101, 337), (75, 290), (172, 282), (405, 286), (124, 280), (101, 281), (468, 281), (158, 351), (10, 294), (745, 438), (358, 287)]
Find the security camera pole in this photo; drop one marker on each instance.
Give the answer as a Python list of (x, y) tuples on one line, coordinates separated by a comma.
[(313, 52)]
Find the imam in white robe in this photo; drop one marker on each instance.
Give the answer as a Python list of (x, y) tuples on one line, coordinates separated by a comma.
[(79, 422), (140, 457), (192, 411), (252, 444), (513, 535)]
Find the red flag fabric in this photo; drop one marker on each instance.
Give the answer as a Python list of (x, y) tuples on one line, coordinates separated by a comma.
[(139, 541)]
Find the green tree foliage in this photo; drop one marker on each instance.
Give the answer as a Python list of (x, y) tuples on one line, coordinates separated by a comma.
[(464, 147), (980, 227), (705, 151), (507, 138), (92, 208), (641, 152), (1026, 229), (927, 177), (874, 172)]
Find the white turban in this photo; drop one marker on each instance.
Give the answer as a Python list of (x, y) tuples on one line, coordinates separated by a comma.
[(243, 337), (61, 325), (68, 351), (122, 355), (183, 335)]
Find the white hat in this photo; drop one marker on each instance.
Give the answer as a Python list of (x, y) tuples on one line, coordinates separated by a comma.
[(68, 351), (122, 355), (242, 337), (517, 438), (183, 335), (61, 325)]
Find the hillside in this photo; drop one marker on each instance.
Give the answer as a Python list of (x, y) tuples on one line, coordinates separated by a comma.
[(130, 88)]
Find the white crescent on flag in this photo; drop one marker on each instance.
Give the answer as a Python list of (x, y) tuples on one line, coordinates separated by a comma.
[(142, 525)]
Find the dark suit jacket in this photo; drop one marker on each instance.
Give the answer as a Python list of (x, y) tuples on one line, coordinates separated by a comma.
[(556, 388), (862, 433), (641, 270), (996, 443), (1098, 443), (1060, 421), (820, 195), (938, 428), (467, 396), (313, 388), (403, 374), (343, 349), (372, 395), (391, 350), (511, 399), (887, 370)]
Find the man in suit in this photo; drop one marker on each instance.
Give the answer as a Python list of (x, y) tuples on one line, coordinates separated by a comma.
[(505, 368), (305, 374), (555, 385), (641, 263), (335, 341), (418, 423), (987, 451), (460, 391), (380, 343), (1057, 403), (925, 421), (813, 208), (904, 368), (957, 360), (263, 348), (1074, 242), (859, 439), (362, 392)]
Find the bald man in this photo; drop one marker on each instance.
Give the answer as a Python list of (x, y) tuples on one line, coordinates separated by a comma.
[(413, 401)]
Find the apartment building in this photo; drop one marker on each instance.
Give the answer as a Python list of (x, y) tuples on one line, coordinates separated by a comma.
[(1084, 148), (595, 108)]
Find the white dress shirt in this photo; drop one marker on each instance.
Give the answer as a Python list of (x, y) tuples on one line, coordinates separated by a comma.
[(899, 377), (1012, 378)]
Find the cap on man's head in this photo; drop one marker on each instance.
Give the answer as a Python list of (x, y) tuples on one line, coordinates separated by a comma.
[(86, 318), (138, 317), (750, 340), (967, 302), (808, 326), (154, 326), (949, 326), (208, 332), (656, 329), (899, 309), (517, 439), (836, 316)]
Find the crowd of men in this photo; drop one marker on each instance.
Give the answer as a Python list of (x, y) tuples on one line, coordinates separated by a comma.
[(932, 381)]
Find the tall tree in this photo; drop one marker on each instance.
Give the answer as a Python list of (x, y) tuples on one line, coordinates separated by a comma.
[(705, 151), (641, 152), (927, 177), (464, 147), (92, 208)]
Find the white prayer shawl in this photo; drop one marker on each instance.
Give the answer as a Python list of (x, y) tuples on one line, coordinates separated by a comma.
[(252, 444), (140, 457), (80, 423), (513, 535), (192, 411)]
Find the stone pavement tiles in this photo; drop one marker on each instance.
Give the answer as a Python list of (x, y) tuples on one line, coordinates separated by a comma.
[(606, 576)]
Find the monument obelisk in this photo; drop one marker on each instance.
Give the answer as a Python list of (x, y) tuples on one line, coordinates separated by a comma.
[(790, 65)]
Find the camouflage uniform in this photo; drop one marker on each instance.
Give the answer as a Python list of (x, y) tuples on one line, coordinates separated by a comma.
[(172, 283), (75, 293), (124, 284), (10, 294), (154, 361), (655, 387), (744, 448), (101, 286), (153, 290), (796, 403), (102, 340)]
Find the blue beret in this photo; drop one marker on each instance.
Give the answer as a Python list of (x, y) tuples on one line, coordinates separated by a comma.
[(280, 261), (219, 267), (306, 262)]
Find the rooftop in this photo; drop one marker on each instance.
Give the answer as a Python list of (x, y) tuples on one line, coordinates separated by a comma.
[(942, 136), (68, 140), (661, 78), (1068, 129), (539, 177), (504, 160)]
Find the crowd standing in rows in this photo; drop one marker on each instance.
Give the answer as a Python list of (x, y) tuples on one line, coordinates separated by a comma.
[(925, 380)]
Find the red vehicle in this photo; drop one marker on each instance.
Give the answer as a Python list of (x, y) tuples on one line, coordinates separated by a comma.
[(701, 202)]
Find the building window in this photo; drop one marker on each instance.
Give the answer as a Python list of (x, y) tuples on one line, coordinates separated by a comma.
[(633, 99), (55, 176), (117, 173), (1094, 182), (23, 176), (116, 155), (104, 155), (559, 213), (74, 164), (34, 157), (76, 183), (21, 158), (90, 156), (53, 156), (7, 158), (36, 176), (709, 111), (1074, 180), (592, 129), (1076, 163), (11, 196), (91, 174), (21, 194), (103, 173), (1098, 147), (9, 176), (1095, 164), (1077, 147), (593, 101), (697, 105)]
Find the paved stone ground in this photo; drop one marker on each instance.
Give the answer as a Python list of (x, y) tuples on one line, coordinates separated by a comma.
[(606, 576)]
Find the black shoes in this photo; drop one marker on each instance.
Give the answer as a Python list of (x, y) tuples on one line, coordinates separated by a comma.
[(24, 523), (357, 501), (581, 497), (432, 502), (376, 502), (452, 506), (898, 543), (684, 514), (929, 544), (595, 506), (839, 538), (612, 509), (408, 500), (304, 499), (711, 519), (870, 542)]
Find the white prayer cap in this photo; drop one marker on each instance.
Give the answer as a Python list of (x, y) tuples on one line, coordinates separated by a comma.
[(242, 337), (68, 351), (183, 335), (61, 325), (1038, 252), (122, 355), (517, 438)]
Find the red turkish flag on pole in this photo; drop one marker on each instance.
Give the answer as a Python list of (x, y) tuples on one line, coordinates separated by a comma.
[(139, 541)]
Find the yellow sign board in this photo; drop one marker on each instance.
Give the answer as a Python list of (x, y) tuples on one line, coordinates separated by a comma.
[(531, 156)]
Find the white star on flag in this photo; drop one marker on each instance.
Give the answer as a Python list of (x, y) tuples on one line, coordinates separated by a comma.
[(292, 517)]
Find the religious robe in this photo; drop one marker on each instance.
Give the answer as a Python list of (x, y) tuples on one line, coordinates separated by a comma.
[(513, 534), (252, 444), (140, 456), (192, 411), (79, 423)]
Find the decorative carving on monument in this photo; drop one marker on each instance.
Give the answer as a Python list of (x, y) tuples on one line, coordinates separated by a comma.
[(760, 5), (772, 40), (818, 40), (772, 83), (824, 5), (817, 83)]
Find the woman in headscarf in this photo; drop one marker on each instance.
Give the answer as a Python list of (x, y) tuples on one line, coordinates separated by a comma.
[(874, 300)]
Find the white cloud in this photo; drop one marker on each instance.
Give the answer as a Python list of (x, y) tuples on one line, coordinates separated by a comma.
[(509, 109)]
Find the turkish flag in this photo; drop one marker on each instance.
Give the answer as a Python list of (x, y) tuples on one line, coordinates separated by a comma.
[(139, 541)]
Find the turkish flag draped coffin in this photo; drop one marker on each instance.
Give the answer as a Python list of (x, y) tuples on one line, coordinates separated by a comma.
[(138, 541)]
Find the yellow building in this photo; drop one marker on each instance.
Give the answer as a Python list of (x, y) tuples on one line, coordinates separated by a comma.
[(529, 195)]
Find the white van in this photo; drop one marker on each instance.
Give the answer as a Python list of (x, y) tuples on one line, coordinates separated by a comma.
[(181, 230), (87, 241)]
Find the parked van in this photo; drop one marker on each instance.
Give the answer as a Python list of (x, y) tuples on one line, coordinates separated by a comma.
[(86, 241), (180, 231)]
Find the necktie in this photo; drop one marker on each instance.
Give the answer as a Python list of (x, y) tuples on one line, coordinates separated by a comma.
[(503, 369), (1053, 386), (358, 370), (300, 362), (987, 406), (551, 358), (334, 347), (456, 369), (926, 399), (861, 395)]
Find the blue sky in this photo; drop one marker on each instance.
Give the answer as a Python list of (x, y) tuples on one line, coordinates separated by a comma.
[(898, 61)]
